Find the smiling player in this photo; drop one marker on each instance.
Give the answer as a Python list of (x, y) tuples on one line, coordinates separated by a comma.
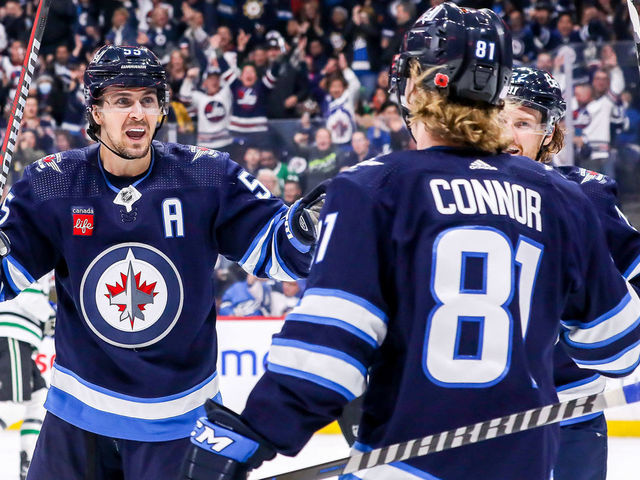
[(133, 228)]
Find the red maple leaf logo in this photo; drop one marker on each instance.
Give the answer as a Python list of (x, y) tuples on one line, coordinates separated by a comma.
[(140, 294), (117, 289)]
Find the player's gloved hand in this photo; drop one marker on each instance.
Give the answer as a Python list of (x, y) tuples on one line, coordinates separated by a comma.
[(301, 222), (223, 447)]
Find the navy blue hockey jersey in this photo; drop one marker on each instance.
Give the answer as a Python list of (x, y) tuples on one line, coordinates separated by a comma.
[(443, 274), (623, 241), (135, 334)]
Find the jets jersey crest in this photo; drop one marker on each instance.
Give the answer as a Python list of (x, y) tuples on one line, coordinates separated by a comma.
[(131, 295)]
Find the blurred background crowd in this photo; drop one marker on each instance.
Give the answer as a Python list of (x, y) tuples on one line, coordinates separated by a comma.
[(296, 90)]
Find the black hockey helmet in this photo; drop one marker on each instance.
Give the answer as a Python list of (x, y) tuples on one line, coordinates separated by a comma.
[(128, 67), (472, 47), (537, 89), (125, 66)]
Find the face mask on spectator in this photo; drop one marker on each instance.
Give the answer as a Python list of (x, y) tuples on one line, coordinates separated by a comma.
[(44, 88)]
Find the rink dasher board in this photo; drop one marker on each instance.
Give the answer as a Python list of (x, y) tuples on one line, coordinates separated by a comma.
[(241, 360)]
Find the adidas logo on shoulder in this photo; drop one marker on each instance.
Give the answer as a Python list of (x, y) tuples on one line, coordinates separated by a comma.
[(480, 165)]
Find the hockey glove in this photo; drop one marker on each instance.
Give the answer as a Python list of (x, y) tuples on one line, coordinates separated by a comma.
[(301, 222), (223, 447)]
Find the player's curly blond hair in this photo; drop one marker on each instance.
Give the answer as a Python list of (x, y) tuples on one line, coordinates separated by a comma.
[(472, 124)]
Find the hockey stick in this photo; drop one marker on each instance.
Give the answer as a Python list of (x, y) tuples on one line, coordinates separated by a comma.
[(458, 437), (635, 24), (22, 89)]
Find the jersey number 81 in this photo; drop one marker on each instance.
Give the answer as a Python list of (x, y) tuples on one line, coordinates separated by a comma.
[(469, 331)]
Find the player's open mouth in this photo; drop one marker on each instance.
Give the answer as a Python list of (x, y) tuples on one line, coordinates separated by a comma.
[(513, 151), (135, 133)]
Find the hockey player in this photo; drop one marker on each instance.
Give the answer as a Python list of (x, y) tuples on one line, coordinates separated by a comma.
[(444, 273), (24, 321), (535, 108), (133, 229)]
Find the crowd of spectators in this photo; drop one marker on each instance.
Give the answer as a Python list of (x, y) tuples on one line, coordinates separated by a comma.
[(296, 90)]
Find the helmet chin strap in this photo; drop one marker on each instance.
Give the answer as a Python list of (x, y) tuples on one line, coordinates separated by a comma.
[(539, 154), (404, 111), (94, 136), (550, 128)]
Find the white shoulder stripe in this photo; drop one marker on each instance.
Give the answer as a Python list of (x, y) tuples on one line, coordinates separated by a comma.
[(315, 364), (344, 310), (606, 331)]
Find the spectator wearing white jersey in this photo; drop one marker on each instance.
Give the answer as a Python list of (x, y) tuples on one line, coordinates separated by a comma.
[(597, 115), (338, 109), (213, 107)]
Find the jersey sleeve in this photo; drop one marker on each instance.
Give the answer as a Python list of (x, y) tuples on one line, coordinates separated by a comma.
[(601, 322), (319, 360), (250, 229), (31, 231), (622, 238)]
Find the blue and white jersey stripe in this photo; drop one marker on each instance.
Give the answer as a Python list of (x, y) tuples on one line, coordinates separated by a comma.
[(16, 274), (619, 364), (581, 388), (254, 258), (324, 366), (277, 267), (607, 328), (343, 310), (633, 270), (97, 409), (586, 386), (392, 471)]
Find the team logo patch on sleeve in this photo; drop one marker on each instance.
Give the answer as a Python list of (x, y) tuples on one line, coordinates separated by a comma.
[(82, 220), (199, 152), (131, 295), (50, 161)]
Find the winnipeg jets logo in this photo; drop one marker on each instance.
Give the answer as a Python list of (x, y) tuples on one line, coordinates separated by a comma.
[(131, 295), (214, 111), (247, 98)]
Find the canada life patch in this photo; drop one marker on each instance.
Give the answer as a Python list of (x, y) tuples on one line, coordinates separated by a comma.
[(131, 295), (83, 222)]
